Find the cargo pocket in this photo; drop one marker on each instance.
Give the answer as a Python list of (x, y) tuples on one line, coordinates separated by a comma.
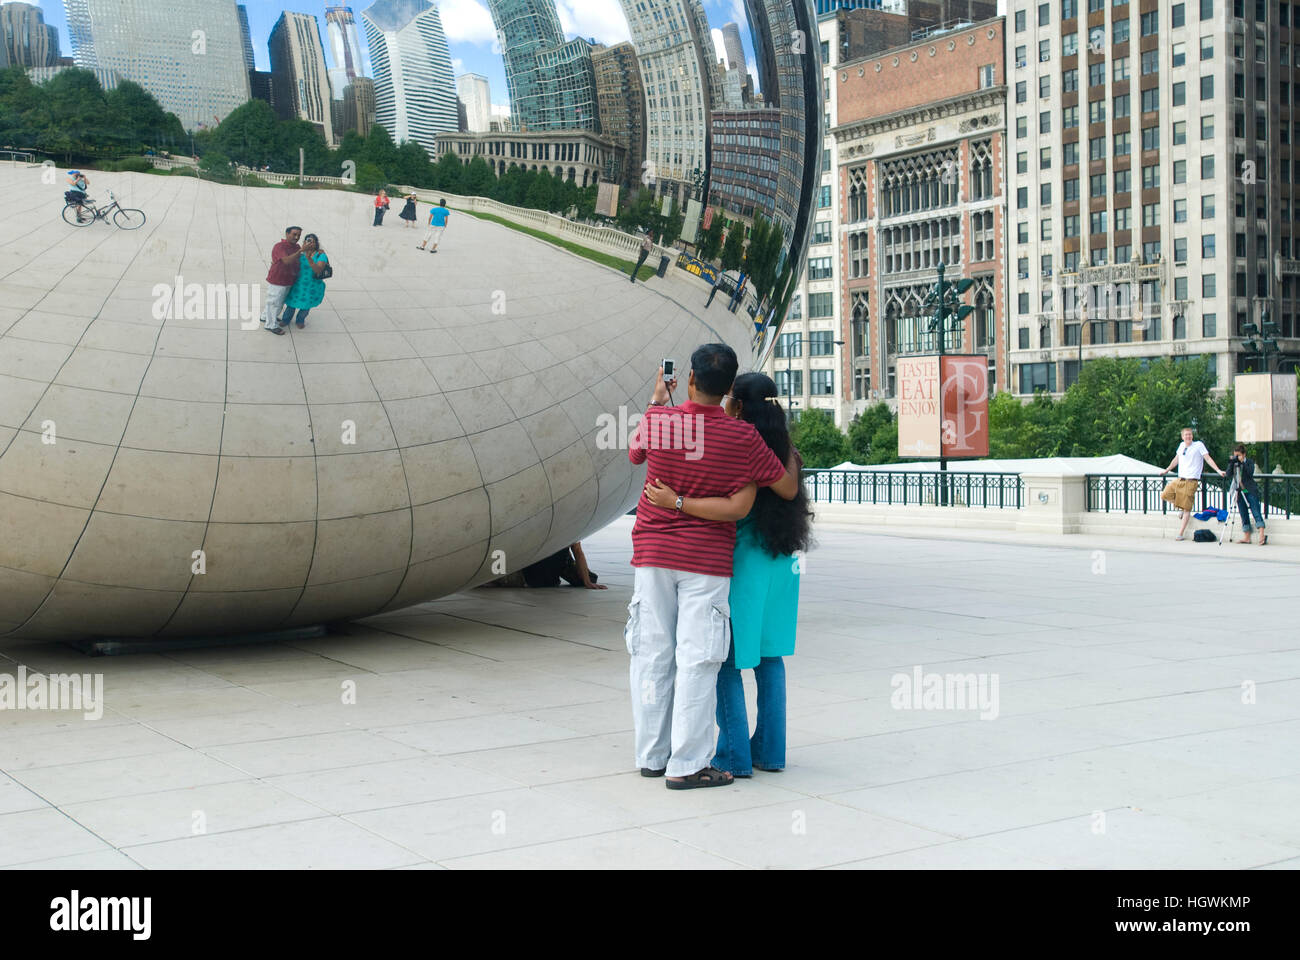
[(632, 632), (719, 632)]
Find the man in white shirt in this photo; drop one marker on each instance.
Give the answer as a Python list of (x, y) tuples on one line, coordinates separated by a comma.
[(1191, 458)]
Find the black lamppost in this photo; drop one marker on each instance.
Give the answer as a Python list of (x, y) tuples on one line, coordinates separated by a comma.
[(1261, 341), (947, 305)]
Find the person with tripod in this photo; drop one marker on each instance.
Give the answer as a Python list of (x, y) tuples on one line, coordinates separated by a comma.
[(1241, 471)]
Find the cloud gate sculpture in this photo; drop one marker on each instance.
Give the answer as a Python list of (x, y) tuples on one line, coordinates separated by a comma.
[(168, 469)]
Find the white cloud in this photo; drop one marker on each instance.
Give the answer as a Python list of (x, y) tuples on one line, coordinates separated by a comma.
[(467, 21), (457, 65), (602, 19)]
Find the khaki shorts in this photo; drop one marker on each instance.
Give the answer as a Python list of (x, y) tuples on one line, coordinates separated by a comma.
[(1181, 493)]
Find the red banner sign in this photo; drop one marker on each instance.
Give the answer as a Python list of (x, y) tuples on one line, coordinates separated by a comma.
[(965, 406)]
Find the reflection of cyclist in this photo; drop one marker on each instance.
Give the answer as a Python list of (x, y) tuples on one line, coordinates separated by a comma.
[(79, 186)]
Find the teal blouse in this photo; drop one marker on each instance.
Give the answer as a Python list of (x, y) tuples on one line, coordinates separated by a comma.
[(764, 599), (308, 290)]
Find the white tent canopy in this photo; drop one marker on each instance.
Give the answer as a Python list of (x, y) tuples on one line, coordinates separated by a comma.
[(1054, 466)]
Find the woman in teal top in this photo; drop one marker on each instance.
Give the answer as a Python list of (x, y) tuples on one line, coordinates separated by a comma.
[(309, 289), (764, 586)]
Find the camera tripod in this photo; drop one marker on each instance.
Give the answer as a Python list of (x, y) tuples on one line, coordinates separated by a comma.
[(1234, 489)]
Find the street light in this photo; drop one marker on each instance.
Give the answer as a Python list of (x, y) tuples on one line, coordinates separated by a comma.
[(1261, 341), (946, 298)]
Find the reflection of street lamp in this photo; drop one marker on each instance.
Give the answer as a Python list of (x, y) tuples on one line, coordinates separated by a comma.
[(789, 362)]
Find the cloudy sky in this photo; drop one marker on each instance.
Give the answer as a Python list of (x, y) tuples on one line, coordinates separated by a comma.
[(467, 23)]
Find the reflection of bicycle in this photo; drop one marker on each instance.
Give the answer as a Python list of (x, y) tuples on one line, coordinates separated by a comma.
[(83, 213)]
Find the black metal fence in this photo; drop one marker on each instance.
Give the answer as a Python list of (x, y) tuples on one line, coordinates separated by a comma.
[(916, 488), (1140, 493)]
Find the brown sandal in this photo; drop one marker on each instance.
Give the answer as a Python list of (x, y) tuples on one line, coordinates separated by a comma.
[(708, 777)]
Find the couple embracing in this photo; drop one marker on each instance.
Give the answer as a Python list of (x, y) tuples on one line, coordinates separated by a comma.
[(716, 580)]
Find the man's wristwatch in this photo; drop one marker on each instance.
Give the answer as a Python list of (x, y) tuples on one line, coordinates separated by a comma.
[(679, 503)]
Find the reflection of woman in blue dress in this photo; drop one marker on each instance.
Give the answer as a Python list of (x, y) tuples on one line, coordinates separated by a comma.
[(764, 586), (309, 289)]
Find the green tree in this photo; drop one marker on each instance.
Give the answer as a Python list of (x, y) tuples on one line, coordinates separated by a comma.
[(764, 252), (1021, 430), (380, 149), (586, 202), (447, 173), (216, 166), (540, 191), (820, 442), (248, 135), (863, 429), (479, 178), (510, 187), (411, 166), (884, 444), (733, 250), (370, 179), (711, 240)]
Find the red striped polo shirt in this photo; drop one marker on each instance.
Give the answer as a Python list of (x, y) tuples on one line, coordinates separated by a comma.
[(698, 451)]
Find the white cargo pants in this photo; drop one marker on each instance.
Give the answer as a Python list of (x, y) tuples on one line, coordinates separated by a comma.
[(678, 634), (275, 297)]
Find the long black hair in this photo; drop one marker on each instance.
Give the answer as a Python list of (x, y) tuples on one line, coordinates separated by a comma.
[(783, 526)]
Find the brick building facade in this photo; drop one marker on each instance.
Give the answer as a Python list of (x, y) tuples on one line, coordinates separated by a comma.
[(920, 138)]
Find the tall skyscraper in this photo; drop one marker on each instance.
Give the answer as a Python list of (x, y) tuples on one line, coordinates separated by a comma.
[(345, 48), (679, 71), (299, 83), (415, 97), (246, 35), (735, 51), (790, 80), (552, 84), (26, 40), (1152, 165), (476, 95), (733, 47), (621, 99), (152, 42), (523, 28), (358, 106)]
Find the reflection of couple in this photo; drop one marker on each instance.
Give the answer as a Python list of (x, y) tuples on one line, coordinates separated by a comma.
[(710, 597)]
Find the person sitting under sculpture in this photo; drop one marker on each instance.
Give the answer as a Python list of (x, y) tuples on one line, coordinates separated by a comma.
[(569, 564)]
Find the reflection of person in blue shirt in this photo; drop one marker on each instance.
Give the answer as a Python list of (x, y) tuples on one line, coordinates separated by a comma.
[(78, 186), (438, 218)]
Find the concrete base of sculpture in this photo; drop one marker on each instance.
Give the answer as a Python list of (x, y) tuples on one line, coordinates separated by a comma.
[(168, 468)]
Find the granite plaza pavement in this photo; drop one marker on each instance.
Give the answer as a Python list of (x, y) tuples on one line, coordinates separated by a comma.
[(1148, 717)]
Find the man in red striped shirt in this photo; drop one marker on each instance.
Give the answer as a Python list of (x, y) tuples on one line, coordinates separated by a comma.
[(678, 631)]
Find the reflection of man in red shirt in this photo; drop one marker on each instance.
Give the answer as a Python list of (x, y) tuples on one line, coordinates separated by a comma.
[(280, 278)]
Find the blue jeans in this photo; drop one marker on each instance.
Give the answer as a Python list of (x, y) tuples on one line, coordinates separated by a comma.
[(1246, 497), (738, 752), (288, 317)]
